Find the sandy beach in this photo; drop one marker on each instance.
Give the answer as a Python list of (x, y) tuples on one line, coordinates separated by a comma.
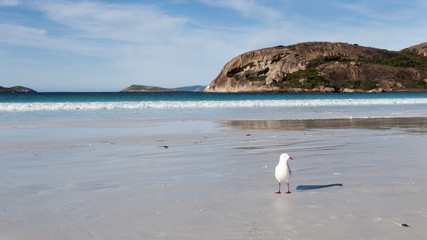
[(353, 179)]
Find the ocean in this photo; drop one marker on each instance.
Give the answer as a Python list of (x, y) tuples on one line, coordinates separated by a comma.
[(18, 108)]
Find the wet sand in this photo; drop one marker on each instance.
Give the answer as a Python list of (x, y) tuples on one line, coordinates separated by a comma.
[(355, 179)]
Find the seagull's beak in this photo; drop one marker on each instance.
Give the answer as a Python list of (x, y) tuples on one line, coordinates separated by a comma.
[(291, 158)]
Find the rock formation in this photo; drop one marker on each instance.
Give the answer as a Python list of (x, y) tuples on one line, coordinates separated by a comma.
[(420, 49), (324, 67)]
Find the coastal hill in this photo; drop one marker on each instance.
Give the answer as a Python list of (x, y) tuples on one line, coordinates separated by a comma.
[(16, 89), (144, 88), (324, 67)]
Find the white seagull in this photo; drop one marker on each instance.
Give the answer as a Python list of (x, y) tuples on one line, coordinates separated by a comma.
[(283, 171)]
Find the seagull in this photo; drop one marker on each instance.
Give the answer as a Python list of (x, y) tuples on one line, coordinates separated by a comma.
[(283, 171)]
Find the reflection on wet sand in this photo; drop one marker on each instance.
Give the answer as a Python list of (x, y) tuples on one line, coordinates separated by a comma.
[(419, 123)]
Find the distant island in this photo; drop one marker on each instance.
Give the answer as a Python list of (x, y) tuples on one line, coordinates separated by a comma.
[(324, 67), (16, 89), (144, 88)]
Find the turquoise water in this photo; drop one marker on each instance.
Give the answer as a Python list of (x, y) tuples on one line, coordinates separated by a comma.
[(192, 96), (48, 107)]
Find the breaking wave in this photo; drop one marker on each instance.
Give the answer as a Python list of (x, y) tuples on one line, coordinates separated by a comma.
[(74, 106)]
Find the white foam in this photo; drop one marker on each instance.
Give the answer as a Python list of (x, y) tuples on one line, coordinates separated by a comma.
[(73, 106)]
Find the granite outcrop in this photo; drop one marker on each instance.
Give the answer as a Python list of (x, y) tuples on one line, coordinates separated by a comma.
[(324, 67)]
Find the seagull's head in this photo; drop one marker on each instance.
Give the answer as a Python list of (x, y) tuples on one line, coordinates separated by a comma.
[(285, 157)]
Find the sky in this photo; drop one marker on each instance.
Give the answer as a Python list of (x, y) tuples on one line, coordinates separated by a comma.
[(105, 45)]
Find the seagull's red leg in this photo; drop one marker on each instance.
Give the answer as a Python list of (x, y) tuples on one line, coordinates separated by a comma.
[(288, 189), (279, 190)]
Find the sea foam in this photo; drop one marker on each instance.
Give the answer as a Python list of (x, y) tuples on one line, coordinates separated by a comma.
[(74, 106)]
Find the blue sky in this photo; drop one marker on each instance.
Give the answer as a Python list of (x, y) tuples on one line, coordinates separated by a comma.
[(60, 45)]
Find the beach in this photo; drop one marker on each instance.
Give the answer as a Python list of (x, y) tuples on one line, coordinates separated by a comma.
[(213, 179)]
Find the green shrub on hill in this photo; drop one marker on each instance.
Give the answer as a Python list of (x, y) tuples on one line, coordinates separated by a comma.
[(325, 59), (406, 59), (257, 78), (420, 83), (308, 78), (358, 84)]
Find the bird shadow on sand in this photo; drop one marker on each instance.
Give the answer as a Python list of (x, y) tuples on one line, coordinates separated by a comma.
[(313, 187)]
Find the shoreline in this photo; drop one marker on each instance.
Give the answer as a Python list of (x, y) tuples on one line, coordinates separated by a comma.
[(277, 124)]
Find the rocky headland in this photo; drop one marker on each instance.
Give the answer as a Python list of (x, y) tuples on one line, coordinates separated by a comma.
[(16, 89), (324, 67)]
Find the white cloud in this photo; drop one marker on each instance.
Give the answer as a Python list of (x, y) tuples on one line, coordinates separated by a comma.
[(20, 34), (38, 38), (379, 12), (248, 8), (136, 23), (101, 29), (131, 31), (9, 3)]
